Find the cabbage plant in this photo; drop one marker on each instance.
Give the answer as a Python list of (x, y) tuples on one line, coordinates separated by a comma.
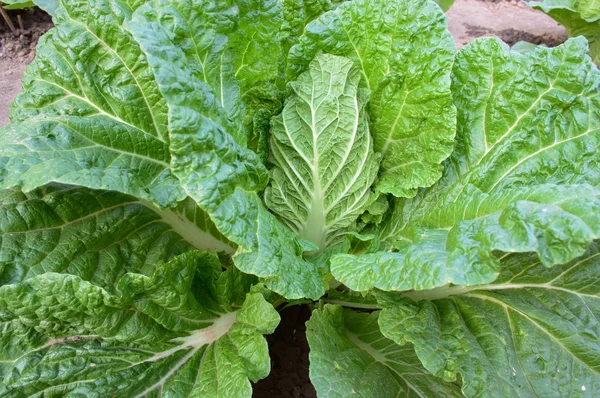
[(177, 170)]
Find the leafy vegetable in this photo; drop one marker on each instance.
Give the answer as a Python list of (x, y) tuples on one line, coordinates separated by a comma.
[(323, 152), (580, 17), (175, 170)]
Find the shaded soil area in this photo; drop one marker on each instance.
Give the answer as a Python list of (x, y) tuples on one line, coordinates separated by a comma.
[(19, 46), (289, 358)]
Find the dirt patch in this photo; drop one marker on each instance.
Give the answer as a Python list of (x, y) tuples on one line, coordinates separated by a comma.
[(17, 49), (513, 36), (510, 20), (19, 46), (289, 358), (10, 85)]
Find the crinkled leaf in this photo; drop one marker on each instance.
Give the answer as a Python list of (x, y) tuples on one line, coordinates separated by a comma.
[(579, 17), (232, 46), (349, 356), (323, 153), (405, 53), (219, 174), (256, 44), (523, 176), (95, 235), (534, 332), (91, 113), (298, 13), (178, 328)]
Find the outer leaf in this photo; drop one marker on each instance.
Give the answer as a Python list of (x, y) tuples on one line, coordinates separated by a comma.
[(405, 53), (534, 332), (350, 357), (49, 6), (323, 153), (232, 46), (94, 235), (91, 113), (220, 175), (88, 305), (523, 177), (590, 10), (579, 17)]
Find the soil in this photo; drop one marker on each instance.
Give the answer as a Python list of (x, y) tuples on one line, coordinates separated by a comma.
[(468, 19), (510, 20), (289, 358), (17, 49)]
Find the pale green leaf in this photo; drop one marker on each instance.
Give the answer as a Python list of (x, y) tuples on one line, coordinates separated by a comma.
[(323, 153), (350, 357), (405, 54), (523, 176), (534, 332)]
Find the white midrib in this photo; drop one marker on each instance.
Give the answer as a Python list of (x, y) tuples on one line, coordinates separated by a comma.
[(195, 341), (314, 228), (191, 232), (379, 357)]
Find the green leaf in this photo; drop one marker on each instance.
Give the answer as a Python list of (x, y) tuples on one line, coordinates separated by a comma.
[(182, 327), (349, 356), (533, 332), (91, 113), (405, 53), (523, 176), (231, 46), (579, 17), (323, 153), (16, 4), (298, 13), (219, 174), (255, 45), (49, 6), (95, 235), (589, 9), (445, 4)]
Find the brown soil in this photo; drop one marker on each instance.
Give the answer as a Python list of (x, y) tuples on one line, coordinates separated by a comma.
[(289, 358), (17, 49), (510, 20), (19, 46)]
